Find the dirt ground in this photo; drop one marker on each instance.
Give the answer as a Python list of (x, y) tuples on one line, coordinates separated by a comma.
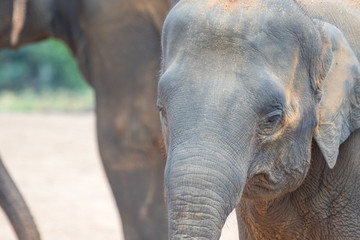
[(54, 160)]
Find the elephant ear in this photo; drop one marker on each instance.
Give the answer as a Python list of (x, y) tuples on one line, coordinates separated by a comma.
[(339, 107)]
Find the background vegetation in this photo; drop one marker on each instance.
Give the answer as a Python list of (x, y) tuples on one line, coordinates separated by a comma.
[(42, 77)]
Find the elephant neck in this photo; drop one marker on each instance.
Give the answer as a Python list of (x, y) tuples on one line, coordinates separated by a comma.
[(328, 200), (325, 206)]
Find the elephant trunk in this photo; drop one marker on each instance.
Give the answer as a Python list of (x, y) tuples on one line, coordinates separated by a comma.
[(201, 191), (15, 208)]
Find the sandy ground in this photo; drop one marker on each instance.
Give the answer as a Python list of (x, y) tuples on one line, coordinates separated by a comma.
[(54, 160)]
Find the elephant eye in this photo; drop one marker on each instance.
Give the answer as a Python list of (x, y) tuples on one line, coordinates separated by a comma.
[(271, 122), (164, 124), (159, 105), (162, 112), (163, 118)]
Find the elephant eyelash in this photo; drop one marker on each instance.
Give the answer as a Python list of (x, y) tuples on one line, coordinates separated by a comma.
[(159, 106), (162, 112), (163, 117), (270, 123)]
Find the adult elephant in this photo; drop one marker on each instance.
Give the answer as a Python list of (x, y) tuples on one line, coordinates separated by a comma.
[(260, 108), (117, 45)]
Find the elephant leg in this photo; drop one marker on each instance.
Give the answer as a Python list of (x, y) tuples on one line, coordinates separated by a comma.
[(140, 199), (124, 70), (134, 166), (15, 208)]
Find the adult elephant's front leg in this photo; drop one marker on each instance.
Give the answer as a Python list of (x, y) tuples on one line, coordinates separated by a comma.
[(129, 142), (124, 60)]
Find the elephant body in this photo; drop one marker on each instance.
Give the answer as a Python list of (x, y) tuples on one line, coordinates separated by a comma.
[(117, 46), (260, 108)]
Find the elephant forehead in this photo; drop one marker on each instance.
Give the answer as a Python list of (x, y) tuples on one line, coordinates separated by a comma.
[(229, 5), (200, 24), (244, 34), (210, 16), (272, 37)]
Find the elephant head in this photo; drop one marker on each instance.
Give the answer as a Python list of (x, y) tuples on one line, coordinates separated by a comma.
[(24, 21), (245, 88)]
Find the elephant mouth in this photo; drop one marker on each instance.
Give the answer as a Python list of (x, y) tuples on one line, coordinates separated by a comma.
[(262, 187)]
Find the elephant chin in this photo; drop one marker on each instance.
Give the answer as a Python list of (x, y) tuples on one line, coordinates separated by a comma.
[(262, 191)]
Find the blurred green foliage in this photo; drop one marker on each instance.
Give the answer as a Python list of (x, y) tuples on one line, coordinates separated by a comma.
[(45, 65), (42, 76)]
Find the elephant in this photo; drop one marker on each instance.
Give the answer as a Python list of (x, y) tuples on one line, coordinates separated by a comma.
[(15, 207), (117, 48), (260, 109)]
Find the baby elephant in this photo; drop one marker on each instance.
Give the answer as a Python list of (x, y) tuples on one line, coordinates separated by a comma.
[(260, 109)]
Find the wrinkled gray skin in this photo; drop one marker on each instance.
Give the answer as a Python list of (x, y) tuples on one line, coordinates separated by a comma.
[(117, 46), (255, 99)]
